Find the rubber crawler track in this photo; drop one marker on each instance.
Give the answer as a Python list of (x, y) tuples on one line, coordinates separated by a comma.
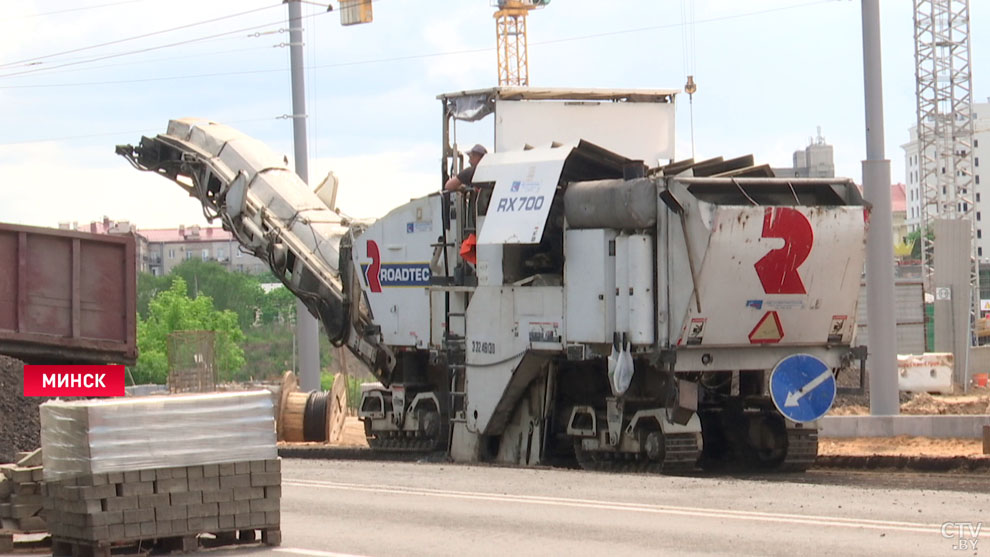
[(402, 442), (681, 452), (802, 450)]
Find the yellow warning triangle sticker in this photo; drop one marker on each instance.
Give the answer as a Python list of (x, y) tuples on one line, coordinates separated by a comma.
[(768, 330)]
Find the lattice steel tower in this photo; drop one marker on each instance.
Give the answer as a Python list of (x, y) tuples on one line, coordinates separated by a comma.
[(513, 43), (945, 120)]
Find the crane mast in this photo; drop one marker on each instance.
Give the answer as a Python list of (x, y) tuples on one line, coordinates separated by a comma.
[(513, 44)]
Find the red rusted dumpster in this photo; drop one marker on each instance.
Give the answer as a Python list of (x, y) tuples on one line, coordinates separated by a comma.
[(67, 297)]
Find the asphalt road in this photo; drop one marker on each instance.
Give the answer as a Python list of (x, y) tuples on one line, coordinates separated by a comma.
[(333, 508)]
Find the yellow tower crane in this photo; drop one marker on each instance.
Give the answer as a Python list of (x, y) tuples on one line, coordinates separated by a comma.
[(513, 46)]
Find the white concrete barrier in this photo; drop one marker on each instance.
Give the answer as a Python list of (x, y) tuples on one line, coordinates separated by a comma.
[(926, 373), (949, 426)]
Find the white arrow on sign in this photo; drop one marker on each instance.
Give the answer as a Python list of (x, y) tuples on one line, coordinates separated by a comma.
[(794, 397)]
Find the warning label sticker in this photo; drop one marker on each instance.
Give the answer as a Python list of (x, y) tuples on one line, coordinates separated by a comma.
[(544, 331), (696, 330), (837, 327)]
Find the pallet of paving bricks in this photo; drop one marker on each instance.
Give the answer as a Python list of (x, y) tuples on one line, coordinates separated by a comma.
[(21, 499), (165, 508)]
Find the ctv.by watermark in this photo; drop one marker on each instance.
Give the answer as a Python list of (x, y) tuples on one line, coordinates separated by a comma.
[(964, 535)]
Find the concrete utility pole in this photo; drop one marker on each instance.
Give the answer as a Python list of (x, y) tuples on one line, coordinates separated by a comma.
[(307, 330), (884, 394)]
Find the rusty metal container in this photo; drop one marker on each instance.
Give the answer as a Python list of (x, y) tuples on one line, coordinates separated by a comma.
[(67, 297)]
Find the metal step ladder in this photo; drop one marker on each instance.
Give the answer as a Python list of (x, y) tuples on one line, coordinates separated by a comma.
[(455, 333), (455, 344)]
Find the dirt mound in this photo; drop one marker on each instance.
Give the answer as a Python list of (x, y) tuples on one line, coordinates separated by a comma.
[(863, 400), (922, 404), (849, 410), (20, 423)]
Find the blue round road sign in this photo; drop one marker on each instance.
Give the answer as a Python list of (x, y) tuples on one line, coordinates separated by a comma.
[(802, 387)]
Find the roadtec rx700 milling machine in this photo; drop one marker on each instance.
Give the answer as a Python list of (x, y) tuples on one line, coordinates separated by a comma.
[(576, 302)]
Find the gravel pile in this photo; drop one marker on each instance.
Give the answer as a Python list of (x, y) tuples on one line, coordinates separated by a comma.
[(20, 424)]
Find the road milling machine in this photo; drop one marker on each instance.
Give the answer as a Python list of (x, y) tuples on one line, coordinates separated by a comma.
[(586, 299)]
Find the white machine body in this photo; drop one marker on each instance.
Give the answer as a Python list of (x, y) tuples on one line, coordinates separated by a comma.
[(583, 300)]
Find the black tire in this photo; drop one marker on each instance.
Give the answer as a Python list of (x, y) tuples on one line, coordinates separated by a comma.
[(766, 444)]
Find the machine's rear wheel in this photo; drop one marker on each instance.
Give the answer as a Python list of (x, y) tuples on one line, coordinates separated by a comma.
[(772, 446), (429, 423), (760, 441), (765, 446)]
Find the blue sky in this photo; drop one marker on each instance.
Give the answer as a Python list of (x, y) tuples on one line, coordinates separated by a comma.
[(768, 73)]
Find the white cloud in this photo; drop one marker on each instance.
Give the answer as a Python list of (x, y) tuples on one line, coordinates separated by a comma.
[(371, 185), (49, 184), (458, 31), (17, 27)]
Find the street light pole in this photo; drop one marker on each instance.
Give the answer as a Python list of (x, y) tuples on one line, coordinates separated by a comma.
[(307, 330), (884, 391)]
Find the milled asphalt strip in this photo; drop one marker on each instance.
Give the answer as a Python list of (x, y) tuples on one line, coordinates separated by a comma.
[(816, 520), (311, 552)]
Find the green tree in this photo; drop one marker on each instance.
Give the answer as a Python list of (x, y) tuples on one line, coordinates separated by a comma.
[(148, 285), (278, 306), (913, 239), (173, 310), (237, 292), (268, 344)]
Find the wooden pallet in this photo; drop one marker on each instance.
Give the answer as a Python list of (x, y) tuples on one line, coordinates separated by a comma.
[(64, 547), (28, 542)]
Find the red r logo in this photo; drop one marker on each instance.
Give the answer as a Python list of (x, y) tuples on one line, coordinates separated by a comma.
[(371, 271), (778, 270)]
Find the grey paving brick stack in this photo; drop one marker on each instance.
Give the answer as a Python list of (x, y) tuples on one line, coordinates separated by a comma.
[(162, 469), (21, 500), (167, 502)]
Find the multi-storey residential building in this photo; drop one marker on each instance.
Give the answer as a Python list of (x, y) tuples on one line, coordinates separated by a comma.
[(170, 246), (161, 249), (981, 158), (122, 227)]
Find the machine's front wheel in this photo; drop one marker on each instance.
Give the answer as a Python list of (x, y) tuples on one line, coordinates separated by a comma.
[(653, 446)]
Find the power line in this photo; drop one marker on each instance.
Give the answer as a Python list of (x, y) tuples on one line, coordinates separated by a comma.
[(249, 72), (673, 25), (159, 47), (144, 80), (149, 49), (67, 10), (126, 132), (164, 59), (51, 70), (136, 37), (411, 56)]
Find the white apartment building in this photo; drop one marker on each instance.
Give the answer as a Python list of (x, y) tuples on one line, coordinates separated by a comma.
[(168, 247), (981, 160), (161, 249)]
